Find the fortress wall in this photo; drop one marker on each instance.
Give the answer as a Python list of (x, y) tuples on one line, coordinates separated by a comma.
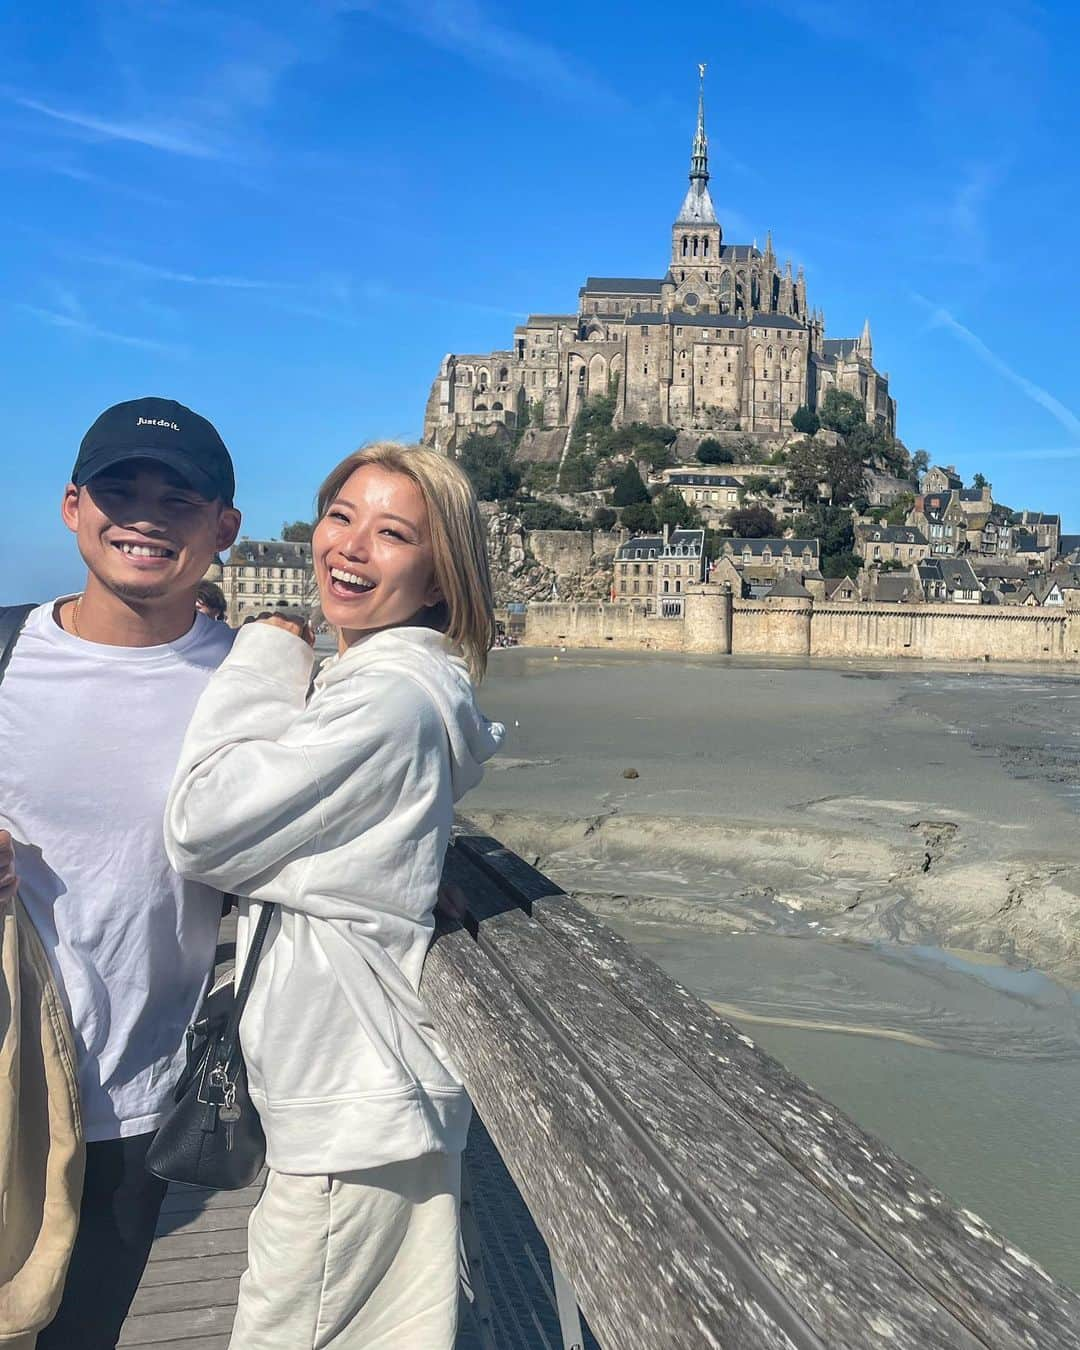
[(945, 632), (566, 552), (778, 627), (622, 627), (716, 624)]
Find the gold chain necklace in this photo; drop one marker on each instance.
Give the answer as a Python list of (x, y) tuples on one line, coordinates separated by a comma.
[(75, 617)]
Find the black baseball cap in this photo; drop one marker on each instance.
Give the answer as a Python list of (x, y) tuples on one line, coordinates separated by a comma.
[(162, 430)]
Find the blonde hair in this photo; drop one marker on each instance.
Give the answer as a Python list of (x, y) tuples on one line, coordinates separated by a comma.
[(457, 540)]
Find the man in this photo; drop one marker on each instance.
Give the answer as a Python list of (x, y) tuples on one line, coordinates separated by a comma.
[(210, 600), (93, 709)]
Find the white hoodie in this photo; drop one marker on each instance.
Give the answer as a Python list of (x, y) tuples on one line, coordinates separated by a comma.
[(338, 808)]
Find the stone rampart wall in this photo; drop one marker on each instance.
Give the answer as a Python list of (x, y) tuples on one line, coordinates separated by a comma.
[(565, 552), (714, 623), (945, 632)]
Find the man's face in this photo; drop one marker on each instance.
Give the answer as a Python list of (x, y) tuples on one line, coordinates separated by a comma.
[(144, 532)]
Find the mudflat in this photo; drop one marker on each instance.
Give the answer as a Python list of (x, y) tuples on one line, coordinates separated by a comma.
[(912, 803)]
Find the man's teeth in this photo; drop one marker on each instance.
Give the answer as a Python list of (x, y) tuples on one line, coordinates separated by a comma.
[(145, 551), (350, 578)]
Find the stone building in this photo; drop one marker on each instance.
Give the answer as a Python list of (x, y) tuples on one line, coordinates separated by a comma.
[(891, 543), (769, 559), (657, 569), (726, 339), (263, 574)]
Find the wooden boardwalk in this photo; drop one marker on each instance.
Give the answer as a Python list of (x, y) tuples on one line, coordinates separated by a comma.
[(187, 1299)]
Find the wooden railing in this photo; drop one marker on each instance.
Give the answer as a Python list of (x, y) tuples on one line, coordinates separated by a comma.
[(691, 1192)]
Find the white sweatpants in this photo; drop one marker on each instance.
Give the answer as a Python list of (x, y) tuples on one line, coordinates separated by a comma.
[(358, 1261)]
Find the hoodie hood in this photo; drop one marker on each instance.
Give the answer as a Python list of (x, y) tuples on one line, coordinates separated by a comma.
[(430, 660)]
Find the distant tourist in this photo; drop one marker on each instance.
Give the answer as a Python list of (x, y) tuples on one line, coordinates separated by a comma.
[(337, 809), (93, 708), (210, 600)]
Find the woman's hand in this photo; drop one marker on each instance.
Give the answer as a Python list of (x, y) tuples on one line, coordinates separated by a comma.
[(299, 627)]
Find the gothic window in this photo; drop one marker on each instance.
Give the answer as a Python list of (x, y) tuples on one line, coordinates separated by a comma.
[(685, 245), (695, 245), (646, 371), (705, 246), (504, 375)]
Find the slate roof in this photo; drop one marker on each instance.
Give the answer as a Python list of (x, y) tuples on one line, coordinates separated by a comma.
[(1068, 543), (621, 286), (270, 553), (894, 587), (971, 494), (756, 547), (1041, 587), (1038, 518), (958, 574), (834, 584), (739, 252), (843, 347), (684, 319), (788, 588), (892, 534), (651, 546), (704, 480), (1025, 542), (1012, 571)]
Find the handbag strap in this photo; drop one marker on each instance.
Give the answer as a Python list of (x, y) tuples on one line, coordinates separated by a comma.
[(12, 618), (230, 1040)]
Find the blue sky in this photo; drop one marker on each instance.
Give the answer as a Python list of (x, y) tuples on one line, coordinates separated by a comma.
[(285, 214)]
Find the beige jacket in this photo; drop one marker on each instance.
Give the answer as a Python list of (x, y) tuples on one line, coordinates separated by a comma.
[(41, 1142)]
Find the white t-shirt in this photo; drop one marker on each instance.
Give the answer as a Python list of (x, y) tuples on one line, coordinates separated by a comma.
[(89, 741)]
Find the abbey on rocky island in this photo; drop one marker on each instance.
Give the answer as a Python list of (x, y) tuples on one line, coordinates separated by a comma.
[(725, 341)]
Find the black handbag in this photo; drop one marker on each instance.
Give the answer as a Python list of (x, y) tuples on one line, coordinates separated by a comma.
[(213, 1136)]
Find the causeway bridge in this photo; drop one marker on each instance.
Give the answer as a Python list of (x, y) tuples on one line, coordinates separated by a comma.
[(641, 1176)]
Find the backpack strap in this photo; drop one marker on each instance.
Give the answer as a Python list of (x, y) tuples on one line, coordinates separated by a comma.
[(12, 618)]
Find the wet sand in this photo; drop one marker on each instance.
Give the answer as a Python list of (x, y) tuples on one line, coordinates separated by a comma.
[(874, 871)]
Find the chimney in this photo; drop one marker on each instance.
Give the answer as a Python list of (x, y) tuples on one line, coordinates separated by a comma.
[(667, 531)]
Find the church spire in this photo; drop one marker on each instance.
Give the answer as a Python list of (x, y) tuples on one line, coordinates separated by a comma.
[(866, 347), (697, 207), (699, 158)]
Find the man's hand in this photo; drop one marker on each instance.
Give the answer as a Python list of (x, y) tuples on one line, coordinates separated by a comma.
[(298, 627), (9, 882)]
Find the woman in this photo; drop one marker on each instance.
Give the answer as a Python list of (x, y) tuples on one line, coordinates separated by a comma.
[(338, 807)]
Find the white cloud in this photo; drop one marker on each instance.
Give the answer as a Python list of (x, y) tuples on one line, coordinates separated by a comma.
[(87, 328), (941, 318), (153, 273), (174, 138), (465, 29)]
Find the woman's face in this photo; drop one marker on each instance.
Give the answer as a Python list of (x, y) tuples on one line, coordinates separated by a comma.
[(372, 554)]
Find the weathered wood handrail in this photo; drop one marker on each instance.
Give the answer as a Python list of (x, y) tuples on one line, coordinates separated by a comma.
[(693, 1191)]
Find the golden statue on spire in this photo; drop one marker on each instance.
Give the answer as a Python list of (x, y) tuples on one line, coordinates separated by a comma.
[(701, 69)]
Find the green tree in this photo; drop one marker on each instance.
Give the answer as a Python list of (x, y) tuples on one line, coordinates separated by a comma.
[(537, 515), (898, 512), (536, 413), (829, 524), (806, 470), (639, 517), (920, 461), (805, 420), (757, 485), (629, 486), (841, 565), (710, 451), (841, 411), (753, 522), (672, 509), (488, 466), (604, 518), (297, 531), (979, 482)]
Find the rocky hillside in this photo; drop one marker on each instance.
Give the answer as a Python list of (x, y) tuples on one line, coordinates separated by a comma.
[(548, 564)]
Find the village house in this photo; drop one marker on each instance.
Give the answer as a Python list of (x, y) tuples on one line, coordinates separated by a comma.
[(950, 580), (760, 560), (713, 492), (890, 543), (656, 569), (1045, 528), (263, 574), (941, 520), (939, 480), (841, 590)]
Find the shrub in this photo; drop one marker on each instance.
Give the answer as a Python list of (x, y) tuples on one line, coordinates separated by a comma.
[(753, 522), (548, 516), (710, 451), (639, 517), (841, 411), (806, 421), (488, 466), (629, 486), (604, 518)]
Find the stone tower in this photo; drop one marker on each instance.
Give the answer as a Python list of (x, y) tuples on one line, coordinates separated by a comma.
[(696, 236)]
